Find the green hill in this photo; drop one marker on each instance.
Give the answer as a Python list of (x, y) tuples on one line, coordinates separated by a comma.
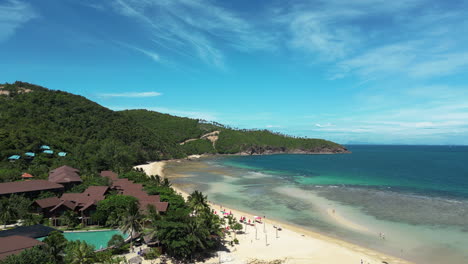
[(98, 138)]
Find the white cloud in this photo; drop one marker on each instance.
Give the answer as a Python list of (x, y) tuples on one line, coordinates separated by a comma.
[(194, 27), (13, 15), (133, 94), (273, 126), (324, 125), (412, 39), (151, 54)]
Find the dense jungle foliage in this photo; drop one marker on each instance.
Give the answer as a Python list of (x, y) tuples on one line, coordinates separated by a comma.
[(96, 138)]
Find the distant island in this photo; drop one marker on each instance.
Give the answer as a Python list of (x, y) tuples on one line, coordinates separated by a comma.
[(97, 138)]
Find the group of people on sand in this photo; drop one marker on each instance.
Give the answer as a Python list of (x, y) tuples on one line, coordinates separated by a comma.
[(382, 235)]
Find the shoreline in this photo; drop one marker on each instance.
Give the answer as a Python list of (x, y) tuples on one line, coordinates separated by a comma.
[(303, 245), (352, 251)]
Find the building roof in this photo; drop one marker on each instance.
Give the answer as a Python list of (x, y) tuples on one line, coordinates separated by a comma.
[(34, 231), (62, 154), (110, 174), (68, 204), (64, 174), (159, 206), (65, 168), (28, 186), (45, 147), (14, 157), (48, 202), (30, 154), (15, 244), (48, 151), (26, 175), (96, 190)]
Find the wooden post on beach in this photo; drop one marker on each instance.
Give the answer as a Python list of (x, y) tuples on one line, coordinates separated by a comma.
[(277, 232), (266, 240), (264, 227), (256, 233)]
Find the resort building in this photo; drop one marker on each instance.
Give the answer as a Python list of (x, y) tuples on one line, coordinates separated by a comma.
[(127, 187), (65, 175), (29, 188), (12, 245), (13, 241), (81, 203)]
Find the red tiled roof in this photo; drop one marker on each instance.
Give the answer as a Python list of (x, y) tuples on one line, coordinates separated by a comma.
[(110, 174), (15, 244), (48, 202), (28, 186)]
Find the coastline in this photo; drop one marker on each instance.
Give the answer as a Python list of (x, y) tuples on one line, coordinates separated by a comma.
[(303, 246)]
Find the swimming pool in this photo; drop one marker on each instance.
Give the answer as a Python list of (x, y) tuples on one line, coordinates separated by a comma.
[(98, 239)]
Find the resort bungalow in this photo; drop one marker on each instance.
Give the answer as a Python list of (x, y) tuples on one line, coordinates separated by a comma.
[(62, 154), (44, 147), (14, 158), (81, 203), (48, 151), (29, 188), (65, 175), (29, 155)]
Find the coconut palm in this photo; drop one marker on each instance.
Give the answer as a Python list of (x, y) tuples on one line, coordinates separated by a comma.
[(131, 222), (56, 244), (7, 211), (166, 183), (69, 218), (79, 252), (198, 202)]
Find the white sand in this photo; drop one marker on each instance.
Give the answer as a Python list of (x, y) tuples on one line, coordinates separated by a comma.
[(153, 168), (293, 244)]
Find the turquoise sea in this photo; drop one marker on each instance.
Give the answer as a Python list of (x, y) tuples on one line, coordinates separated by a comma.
[(416, 195)]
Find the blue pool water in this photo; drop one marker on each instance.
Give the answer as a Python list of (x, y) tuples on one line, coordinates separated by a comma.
[(98, 239)]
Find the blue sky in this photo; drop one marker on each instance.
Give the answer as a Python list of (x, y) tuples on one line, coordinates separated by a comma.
[(392, 72)]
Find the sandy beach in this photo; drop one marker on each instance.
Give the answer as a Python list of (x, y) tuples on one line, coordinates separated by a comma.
[(153, 168), (292, 244)]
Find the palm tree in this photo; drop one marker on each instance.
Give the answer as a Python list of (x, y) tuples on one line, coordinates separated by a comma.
[(198, 202), (152, 216), (79, 252), (56, 244), (31, 219), (7, 211), (69, 218), (166, 183), (131, 222)]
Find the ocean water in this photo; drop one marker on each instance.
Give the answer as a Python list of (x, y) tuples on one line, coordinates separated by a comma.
[(416, 195)]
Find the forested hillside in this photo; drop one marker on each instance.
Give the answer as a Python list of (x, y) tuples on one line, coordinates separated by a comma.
[(94, 137), (97, 138)]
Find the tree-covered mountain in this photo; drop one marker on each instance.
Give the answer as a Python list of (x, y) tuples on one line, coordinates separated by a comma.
[(97, 138)]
